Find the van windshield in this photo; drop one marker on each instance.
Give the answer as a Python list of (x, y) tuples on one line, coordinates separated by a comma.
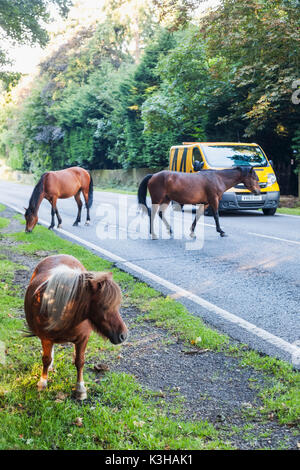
[(233, 155)]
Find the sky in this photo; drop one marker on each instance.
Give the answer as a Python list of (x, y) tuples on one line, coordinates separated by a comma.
[(26, 58)]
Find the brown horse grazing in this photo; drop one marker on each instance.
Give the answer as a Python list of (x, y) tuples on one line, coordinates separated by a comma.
[(60, 184), (64, 303), (205, 187)]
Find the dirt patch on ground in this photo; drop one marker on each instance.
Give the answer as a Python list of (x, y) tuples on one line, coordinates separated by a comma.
[(289, 201), (210, 386)]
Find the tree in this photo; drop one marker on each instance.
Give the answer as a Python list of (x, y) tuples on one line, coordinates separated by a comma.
[(140, 149), (179, 103), (258, 42), (21, 21)]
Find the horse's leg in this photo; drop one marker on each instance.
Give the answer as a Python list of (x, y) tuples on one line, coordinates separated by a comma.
[(47, 361), (79, 363), (215, 210), (154, 209), (197, 217), (59, 219), (79, 204), (161, 213), (52, 217), (54, 212), (86, 200)]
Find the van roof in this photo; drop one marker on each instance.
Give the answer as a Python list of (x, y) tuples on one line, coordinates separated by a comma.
[(218, 143)]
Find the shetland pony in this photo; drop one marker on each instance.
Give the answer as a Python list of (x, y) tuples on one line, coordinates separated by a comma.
[(64, 303)]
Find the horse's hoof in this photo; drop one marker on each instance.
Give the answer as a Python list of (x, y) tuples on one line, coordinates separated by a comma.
[(80, 391), (87, 222), (59, 226), (75, 224), (50, 227), (81, 395), (192, 235), (42, 384), (223, 234), (154, 237)]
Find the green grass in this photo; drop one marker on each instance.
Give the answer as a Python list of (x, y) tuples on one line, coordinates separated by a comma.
[(119, 413), (130, 190), (168, 313), (289, 210), (283, 396), (163, 310), (3, 222)]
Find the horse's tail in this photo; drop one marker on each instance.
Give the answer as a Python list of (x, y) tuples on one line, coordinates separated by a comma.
[(90, 197), (142, 193)]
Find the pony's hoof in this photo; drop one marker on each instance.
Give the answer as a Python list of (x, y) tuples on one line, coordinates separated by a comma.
[(50, 227), (42, 384), (87, 222), (223, 234), (81, 395), (59, 226), (192, 235)]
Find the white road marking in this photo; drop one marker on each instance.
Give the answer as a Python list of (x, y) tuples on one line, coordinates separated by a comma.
[(287, 215), (286, 240), (280, 343)]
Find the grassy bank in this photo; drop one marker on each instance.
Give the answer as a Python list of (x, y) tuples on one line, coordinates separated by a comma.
[(124, 190), (289, 210), (120, 413)]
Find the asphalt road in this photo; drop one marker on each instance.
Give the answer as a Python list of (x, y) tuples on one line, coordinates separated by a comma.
[(246, 284)]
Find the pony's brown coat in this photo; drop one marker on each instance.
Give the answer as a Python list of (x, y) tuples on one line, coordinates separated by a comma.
[(92, 303)]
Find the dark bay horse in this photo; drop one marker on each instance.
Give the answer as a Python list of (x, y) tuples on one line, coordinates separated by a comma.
[(205, 187), (64, 303), (60, 184)]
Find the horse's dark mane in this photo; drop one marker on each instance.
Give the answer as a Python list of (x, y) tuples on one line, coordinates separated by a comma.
[(245, 170), (34, 198)]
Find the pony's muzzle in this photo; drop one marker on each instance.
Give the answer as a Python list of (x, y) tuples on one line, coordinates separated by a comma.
[(122, 337), (119, 338)]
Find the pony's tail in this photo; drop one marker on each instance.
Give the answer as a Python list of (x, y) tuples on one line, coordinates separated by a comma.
[(142, 193), (90, 197)]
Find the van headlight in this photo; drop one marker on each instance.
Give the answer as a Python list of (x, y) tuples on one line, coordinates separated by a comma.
[(271, 179)]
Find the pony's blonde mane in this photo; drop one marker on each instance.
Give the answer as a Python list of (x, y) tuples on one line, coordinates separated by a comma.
[(66, 295)]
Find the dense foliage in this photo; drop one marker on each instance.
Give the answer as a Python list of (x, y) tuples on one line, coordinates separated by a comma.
[(120, 91), (22, 22)]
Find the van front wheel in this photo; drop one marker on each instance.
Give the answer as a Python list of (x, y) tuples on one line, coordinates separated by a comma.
[(269, 211)]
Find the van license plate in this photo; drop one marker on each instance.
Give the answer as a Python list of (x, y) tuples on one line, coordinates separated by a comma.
[(251, 198)]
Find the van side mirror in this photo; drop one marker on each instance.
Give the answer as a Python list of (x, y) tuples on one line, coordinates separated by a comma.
[(198, 165)]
